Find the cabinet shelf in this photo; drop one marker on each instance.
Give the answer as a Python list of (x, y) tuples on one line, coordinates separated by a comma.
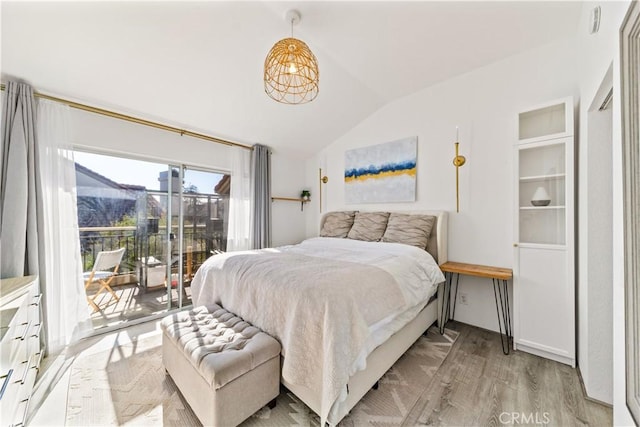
[(549, 246), (542, 177), (541, 208)]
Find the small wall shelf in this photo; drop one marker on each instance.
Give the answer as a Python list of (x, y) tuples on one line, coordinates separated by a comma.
[(291, 199)]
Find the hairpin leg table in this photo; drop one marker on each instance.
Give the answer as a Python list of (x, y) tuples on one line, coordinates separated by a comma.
[(499, 276)]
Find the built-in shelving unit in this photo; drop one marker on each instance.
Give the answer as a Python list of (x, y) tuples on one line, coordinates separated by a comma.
[(544, 278)]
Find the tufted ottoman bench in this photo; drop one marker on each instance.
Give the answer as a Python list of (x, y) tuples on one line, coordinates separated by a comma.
[(225, 368)]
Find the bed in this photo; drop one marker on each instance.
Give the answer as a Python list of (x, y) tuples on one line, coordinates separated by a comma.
[(339, 332)]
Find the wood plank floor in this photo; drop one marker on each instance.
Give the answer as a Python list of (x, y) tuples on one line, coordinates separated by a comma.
[(477, 385)]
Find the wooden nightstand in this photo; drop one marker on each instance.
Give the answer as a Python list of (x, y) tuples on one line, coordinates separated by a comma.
[(499, 276)]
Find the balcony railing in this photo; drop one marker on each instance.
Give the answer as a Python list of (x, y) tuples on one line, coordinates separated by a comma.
[(200, 242)]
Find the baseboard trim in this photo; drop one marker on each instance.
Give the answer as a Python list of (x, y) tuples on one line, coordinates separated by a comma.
[(584, 391)]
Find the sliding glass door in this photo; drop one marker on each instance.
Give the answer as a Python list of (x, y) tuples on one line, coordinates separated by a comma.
[(169, 218), (199, 223)]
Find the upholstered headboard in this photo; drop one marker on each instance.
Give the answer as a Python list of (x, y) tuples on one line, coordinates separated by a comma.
[(437, 245)]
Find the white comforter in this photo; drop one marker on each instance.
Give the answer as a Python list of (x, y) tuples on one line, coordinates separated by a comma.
[(319, 299)]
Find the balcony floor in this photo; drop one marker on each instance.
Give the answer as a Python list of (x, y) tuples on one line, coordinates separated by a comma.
[(135, 303)]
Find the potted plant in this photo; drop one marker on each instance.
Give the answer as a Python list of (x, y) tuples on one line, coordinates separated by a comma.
[(305, 195)]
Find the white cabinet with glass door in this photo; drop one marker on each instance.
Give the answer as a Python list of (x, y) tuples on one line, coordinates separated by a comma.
[(544, 276)]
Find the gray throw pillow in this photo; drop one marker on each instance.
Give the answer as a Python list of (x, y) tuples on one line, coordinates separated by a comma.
[(369, 226), (337, 224), (409, 229)]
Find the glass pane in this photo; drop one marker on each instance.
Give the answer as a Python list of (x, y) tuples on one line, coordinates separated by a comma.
[(542, 122), (120, 205), (205, 203), (542, 161), (542, 194), (541, 225), (536, 192)]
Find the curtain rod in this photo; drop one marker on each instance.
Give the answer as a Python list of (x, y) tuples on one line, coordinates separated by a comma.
[(137, 120)]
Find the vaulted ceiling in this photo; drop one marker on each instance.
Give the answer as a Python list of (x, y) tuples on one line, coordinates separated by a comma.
[(199, 65)]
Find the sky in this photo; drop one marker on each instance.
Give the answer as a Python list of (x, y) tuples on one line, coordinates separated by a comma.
[(138, 172)]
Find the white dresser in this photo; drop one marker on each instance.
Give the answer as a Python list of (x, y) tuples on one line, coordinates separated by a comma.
[(20, 348)]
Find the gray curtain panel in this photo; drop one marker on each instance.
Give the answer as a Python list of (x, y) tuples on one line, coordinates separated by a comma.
[(18, 220), (261, 192)]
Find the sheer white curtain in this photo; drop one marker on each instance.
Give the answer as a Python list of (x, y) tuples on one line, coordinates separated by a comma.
[(238, 236), (66, 309)]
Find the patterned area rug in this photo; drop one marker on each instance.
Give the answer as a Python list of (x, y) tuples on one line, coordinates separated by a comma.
[(127, 385)]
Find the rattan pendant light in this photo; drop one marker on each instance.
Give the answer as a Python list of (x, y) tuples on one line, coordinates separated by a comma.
[(291, 70)]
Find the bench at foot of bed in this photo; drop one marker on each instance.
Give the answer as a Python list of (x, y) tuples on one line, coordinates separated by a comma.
[(225, 368)]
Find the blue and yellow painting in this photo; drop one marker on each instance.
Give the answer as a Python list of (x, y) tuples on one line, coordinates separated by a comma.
[(381, 173)]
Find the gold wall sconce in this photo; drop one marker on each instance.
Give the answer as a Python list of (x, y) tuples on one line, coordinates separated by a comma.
[(323, 180), (458, 161)]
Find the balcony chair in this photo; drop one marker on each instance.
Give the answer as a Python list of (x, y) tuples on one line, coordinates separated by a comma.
[(105, 269)]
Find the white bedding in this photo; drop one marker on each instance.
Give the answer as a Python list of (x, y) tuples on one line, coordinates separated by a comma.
[(328, 301)]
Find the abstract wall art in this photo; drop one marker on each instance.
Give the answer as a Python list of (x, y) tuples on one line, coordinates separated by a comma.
[(381, 173)]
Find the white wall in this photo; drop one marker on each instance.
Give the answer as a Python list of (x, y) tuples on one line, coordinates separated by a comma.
[(108, 135), (599, 181), (288, 180), (484, 104), (596, 262)]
